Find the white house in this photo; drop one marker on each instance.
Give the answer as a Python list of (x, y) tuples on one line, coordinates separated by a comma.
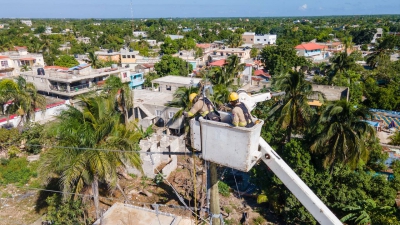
[(265, 39), (140, 33), (11, 62), (377, 35), (27, 22)]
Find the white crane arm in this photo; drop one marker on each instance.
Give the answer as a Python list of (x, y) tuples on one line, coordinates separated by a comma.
[(251, 100), (293, 182)]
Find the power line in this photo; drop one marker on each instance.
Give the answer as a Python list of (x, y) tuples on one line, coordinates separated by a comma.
[(108, 150)]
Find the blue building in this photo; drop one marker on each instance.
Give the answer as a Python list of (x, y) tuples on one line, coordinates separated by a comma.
[(137, 81)]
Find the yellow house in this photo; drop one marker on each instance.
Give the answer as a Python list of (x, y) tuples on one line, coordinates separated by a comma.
[(108, 56)]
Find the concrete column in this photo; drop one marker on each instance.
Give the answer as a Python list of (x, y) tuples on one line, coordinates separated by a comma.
[(58, 86), (90, 82), (68, 87)]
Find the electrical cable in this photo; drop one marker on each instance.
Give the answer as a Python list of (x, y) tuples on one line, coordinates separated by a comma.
[(106, 150)]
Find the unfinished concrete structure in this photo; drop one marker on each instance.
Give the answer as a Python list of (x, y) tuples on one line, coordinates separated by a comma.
[(122, 214), (152, 163)]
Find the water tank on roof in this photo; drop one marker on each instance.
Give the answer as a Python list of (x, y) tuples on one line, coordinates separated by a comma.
[(159, 122), (40, 71), (76, 56), (110, 51), (130, 50)]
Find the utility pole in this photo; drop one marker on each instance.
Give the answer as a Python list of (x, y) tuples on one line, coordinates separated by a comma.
[(214, 194)]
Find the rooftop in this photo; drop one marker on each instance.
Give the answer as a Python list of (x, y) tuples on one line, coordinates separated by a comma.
[(121, 213), (177, 80), (142, 96), (219, 63), (309, 46), (332, 93)]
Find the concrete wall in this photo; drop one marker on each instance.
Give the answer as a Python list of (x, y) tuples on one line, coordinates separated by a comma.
[(158, 143), (40, 116)]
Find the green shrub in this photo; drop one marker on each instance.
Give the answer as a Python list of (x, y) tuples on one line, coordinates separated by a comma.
[(223, 189), (259, 220), (16, 171)]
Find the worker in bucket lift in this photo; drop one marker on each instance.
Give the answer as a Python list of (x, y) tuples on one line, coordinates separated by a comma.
[(241, 115), (203, 106)]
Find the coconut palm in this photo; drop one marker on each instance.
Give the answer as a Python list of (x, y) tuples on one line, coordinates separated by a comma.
[(348, 43), (295, 113), (97, 126), (181, 99), (343, 135), (342, 62), (94, 60), (233, 66), (28, 100)]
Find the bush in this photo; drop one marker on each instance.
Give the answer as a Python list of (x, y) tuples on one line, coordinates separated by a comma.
[(16, 171), (71, 212), (223, 189)]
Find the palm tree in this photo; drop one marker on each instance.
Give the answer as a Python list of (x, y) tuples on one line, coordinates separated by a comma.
[(233, 66), (344, 132), (295, 113), (94, 60), (342, 62), (97, 126), (348, 43), (362, 212), (181, 99), (28, 100)]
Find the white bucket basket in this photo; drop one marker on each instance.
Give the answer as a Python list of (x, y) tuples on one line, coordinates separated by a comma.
[(224, 144)]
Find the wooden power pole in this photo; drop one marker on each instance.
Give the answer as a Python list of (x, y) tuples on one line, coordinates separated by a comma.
[(214, 194)]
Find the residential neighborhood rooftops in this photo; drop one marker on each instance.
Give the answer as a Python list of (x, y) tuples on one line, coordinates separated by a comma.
[(142, 96), (309, 46)]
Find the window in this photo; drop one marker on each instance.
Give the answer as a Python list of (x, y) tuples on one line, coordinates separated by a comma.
[(129, 56), (258, 39), (168, 87), (171, 115), (133, 56), (4, 63), (124, 56), (158, 112), (251, 39), (265, 39), (124, 75)]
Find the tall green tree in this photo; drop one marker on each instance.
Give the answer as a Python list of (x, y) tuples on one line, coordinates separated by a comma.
[(344, 132), (294, 113), (170, 65), (97, 126)]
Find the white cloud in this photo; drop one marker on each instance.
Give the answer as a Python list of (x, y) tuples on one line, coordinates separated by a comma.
[(303, 7)]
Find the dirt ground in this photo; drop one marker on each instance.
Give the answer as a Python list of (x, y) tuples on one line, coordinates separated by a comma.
[(19, 206)]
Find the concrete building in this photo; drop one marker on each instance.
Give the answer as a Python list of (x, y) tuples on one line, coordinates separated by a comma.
[(263, 39), (140, 34), (150, 109), (12, 62), (332, 93), (48, 30), (175, 36), (248, 37), (70, 82), (84, 40), (171, 83), (137, 80), (311, 51), (243, 53), (27, 22), (164, 163), (120, 213), (377, 35), (128, 57), (108, 55)]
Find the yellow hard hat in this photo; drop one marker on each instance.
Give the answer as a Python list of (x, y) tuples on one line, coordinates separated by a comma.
[(192, 96), (233, 96)]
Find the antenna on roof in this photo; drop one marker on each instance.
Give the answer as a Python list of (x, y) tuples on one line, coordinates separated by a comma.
[(133, 28)]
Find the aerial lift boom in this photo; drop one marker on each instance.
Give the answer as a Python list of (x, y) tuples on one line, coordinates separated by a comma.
[(241, 148)]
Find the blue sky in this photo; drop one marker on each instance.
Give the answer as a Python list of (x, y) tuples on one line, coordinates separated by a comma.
[(192, 8)]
